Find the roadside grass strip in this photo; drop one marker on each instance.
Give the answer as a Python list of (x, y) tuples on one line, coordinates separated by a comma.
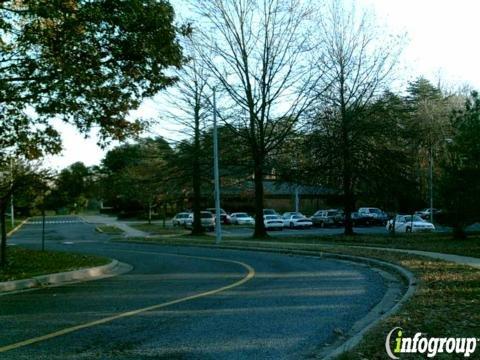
[(24, 263), (109, 229), (445, 305), (159, 229)]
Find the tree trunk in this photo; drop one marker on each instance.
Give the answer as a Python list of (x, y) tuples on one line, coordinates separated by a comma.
[(3, 245), (260, 231), (197, 228)]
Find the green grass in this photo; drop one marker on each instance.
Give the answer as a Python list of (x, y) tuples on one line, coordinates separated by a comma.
[(158, 229), (24, 263), (445, 304), (442, 243), (109, 229)]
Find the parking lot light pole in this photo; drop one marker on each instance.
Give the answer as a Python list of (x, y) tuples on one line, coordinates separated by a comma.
[(218, 229), (12, 209), (431, 184)]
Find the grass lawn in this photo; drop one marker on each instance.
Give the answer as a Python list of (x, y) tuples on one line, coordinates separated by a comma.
[(445, 304), (442, 243), (24, 263), (158, 229), (109, 229), (447, 300)]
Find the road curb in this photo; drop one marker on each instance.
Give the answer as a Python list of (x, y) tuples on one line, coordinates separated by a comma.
[(87, 274), (16, 228), (361, 327)]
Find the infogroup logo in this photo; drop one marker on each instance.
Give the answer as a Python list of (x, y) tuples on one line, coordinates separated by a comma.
[(430, 346)]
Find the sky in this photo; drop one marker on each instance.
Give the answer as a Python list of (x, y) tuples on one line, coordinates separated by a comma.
[(442, 46)]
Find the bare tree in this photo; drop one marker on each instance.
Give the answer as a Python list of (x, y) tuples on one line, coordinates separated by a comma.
[(188, 99), (359, 61), (259, 53)]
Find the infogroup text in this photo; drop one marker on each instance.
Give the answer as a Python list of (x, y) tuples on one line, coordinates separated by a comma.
[(431, 346)]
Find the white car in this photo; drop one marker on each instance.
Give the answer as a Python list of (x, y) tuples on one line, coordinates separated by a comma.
[(409, 223), (207, 219), (273, 222), (180, 219), (241, 218), (297, 221)]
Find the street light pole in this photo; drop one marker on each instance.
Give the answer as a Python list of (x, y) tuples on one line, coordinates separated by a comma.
[(12, 209), (43, 225), (218, 229), (431, 184)]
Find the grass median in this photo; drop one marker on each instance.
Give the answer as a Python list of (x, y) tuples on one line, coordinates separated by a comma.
[(25, 263), (445, 303), (109, 229), (159, 229)]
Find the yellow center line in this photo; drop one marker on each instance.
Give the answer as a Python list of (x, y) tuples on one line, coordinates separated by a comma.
[(249, 276)]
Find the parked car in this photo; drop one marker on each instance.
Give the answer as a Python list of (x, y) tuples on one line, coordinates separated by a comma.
[(207, 219), (377, 216), (273, 222), (360, 219), (269, 212), (425, 213), (409, 223), (287, 215), (332, 217), (224, 217), (241, 218), (297, 221), (180, 219)]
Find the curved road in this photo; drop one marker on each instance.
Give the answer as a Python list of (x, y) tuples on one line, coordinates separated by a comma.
[(184, 303)]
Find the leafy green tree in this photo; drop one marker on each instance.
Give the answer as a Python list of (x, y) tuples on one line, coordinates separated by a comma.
[(72, 188), (137, 175), (459, 185), (85, 62)]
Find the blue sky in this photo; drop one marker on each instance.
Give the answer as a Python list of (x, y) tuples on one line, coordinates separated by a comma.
[(443, 45)]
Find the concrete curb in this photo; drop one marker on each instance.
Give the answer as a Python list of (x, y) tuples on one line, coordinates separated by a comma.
[(16, 228), (362, 326), (94, 273)]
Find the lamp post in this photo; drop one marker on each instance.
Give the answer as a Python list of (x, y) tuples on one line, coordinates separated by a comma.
[(12, 209), (431, 184), (218, 229)]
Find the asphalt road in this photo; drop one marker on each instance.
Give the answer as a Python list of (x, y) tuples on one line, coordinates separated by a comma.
[(263, 305)]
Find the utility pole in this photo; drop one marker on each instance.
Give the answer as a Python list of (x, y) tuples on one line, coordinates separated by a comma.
[(12, 209), (43, 224), (431, 184), (218, 229)]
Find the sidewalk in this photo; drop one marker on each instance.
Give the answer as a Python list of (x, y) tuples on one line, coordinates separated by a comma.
[(110, 220)]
